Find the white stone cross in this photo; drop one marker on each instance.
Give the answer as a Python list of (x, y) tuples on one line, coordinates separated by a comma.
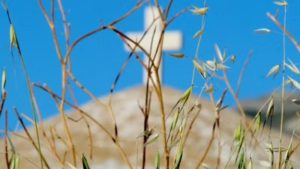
[(172, 39)]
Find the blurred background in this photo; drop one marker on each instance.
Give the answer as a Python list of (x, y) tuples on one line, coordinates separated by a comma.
[(97, 60)]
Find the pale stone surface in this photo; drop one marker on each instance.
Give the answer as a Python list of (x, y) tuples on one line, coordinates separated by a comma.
[(172, 40), (130, 124)]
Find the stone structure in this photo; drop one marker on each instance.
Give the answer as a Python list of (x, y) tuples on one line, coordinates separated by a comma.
[(150, 41), (291, 109), (126, 106)]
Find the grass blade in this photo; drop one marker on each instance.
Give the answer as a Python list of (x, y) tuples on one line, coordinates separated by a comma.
[(85, 163)]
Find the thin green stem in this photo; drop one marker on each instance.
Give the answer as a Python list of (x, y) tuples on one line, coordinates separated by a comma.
[(198, 46), (29, 86), (283, 85), (32, 101)]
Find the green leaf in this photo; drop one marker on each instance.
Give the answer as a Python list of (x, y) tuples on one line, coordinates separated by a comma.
[(85, 163), (200, 69), (258, 121), (239, 133), (14, 162), (242, 161), (157, 161), (186, 95), (175, 120), (13, 37), (178, 159), (199, 11)]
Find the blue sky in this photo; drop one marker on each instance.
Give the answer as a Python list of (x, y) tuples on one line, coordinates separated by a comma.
[(97, 60)]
